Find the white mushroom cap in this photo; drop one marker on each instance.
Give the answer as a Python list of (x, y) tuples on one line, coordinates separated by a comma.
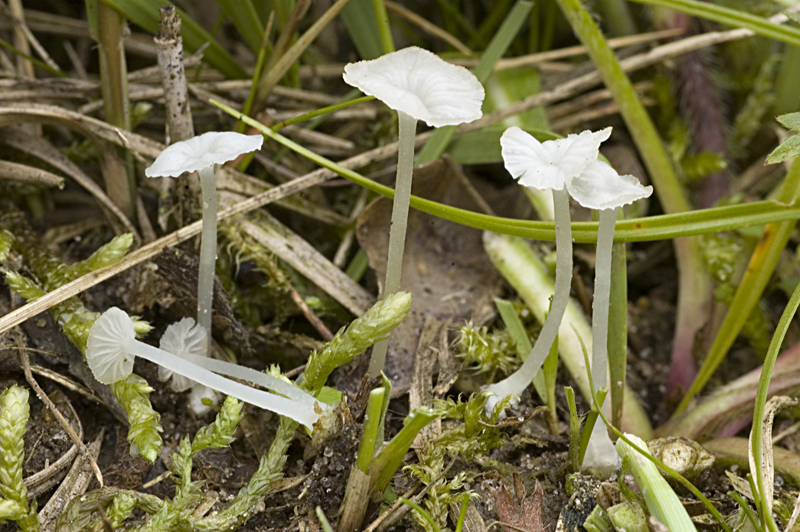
[(421, 84), (202, 151), (105, 349), (182, 338), (550, 164), (600, 187)]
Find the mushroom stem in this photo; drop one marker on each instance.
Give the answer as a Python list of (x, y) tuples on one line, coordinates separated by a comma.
[(602, 294), (517, 382), (208, 250), (256, 377), (280, 405), (600, 454), (397, 231)]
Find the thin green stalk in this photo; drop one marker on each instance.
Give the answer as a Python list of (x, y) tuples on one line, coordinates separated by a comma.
[(41, 64), (397, 232), (694, 289), (618, 330), (462, 514), (732, 17), (574, 451), (385, 31), (647, 229), (756, 434), (748, 512), (618, 17), (751, 287), (588, 425), (421, 511), (320, 112), (369, 434), (497, 47)]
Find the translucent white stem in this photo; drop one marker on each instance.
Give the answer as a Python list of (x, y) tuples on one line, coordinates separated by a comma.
[(600, 453), (397, 231), (516, 383), (602, 293), (256, 377), (208, 251), (274, 403)]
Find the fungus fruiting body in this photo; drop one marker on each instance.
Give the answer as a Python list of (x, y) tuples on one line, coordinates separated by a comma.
[(186, 338), (419, 86), (112, 347), (200, 154), (570, 165), (554, 164)]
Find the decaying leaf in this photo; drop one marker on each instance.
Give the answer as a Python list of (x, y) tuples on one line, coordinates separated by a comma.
[(525, 515)]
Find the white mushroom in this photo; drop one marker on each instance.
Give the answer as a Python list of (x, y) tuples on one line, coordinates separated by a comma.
[(112, 346), (200, 154), (419, 85)]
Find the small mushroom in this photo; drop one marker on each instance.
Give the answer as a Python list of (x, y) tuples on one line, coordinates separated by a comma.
[(419, 85), (200, 154), (112, 347), (553, 164)]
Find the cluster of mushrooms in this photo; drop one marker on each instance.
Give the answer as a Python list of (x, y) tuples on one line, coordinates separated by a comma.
[(419, 86)]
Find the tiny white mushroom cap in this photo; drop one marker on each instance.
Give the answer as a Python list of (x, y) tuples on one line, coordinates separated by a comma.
[(550, 164), (182, 338), (105, 349), (202, 151), (600, 187), (421, 84)]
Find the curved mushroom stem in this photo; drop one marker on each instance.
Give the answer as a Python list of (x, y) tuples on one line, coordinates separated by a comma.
[(301, 413), (600, 453), (397, 231), (208, 251), (517, 382)]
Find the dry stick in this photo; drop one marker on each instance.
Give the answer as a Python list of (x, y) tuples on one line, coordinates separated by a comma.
[(26, 368), (318, 176)]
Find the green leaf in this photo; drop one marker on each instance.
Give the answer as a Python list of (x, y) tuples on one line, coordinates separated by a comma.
[(731, 17), (145, 13), (497, 47), (791, 121), (359, 18), (789, 149), (244, 16), (483, 146)]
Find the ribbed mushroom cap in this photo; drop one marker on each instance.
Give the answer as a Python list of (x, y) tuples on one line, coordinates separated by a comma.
[(105, 353), (202, 151), (182, 338), (421, 84), (550, 164), (600, 187)]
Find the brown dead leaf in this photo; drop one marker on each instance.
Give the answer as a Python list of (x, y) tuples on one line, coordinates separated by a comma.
[(526, 516), (444, 267)]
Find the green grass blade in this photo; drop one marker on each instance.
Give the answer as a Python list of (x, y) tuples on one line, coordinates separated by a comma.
[(145, 13), (362, 25), (244, 16), (759, 271), (761, 399), (497, 47), (634, 230), (731, 17)]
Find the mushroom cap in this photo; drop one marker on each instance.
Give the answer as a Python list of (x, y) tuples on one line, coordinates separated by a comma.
[(202, 151), (421, 84), (180, 338), (105, 349), (600, 187), (550, 164)]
